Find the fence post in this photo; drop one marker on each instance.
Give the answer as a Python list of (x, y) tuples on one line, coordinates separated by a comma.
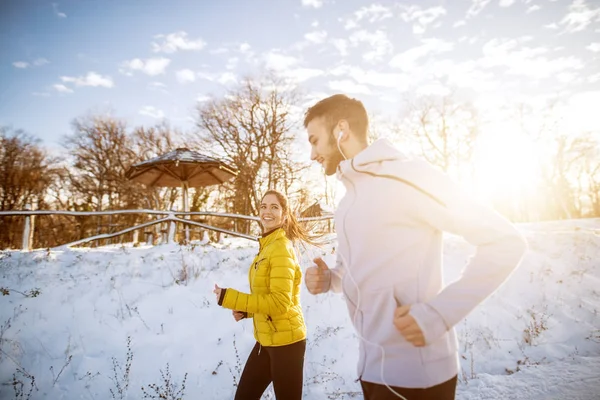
[(150, 236), (28, 230), (135, 236), (171, 237)]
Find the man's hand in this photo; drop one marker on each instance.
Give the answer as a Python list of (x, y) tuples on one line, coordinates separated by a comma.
[(408, 327), (238, 315), (318, 278)]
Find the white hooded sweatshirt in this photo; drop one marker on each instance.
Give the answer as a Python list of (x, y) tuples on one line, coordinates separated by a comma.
[(389, 226)]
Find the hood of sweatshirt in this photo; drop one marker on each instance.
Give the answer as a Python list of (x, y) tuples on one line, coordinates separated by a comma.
[(372, 159)]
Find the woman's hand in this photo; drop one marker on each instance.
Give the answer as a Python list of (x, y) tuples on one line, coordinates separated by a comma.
[(217, 292), (238, 315)]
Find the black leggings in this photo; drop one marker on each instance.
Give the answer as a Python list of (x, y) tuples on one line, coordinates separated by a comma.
[(282, 365), (443, 391)]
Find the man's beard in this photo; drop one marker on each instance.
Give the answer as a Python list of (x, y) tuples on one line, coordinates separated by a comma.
[(335, 159)]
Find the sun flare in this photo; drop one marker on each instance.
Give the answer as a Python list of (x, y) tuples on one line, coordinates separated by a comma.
[(506, 164)]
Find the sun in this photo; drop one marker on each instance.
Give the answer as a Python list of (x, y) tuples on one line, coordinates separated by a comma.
[(506, 164)]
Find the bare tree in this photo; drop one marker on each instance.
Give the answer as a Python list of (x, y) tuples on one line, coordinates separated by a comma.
[(251, 127), (101, 151), (446, 130), (581, 163), (26, 174), (149, 143)]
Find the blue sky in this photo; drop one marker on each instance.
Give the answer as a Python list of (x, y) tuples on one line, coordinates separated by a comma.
[(148, 60)]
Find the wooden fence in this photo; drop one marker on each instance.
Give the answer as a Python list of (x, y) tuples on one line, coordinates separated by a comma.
[(170, 218)]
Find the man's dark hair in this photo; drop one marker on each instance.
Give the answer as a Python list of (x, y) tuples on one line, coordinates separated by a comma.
[(337, 107)]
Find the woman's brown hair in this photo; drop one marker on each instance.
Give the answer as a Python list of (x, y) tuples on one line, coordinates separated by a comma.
[(293, 229)]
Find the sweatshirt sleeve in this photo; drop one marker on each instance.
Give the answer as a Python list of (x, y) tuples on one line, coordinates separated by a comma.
[(499, 249), (279, 299), (337, 275)]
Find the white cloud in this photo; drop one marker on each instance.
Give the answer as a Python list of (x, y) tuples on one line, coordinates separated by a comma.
[(533, 8), (595, 47), (185, 76), (244, 48), (461, 22), (151, 66), (314, 24), (159, 86), (581, 114), (467, 74), (232, 63), (551, 26), (152, 112), (226, 78), (372, 77), (469, 39), (312, 3), (91, 79), (316, 36), (177, 41), (476, 7), (58, 13), (594, 78), (348, 86), (579, 16), (62, 88), (506, 3), (277, 61), (340, 70), (206, 75), (567, 77), (312, 98), (525, 61), (407, 61), (420, 18), (433, 89), (220, 50), (542, 67), (202, 98), (40, 61), (378, 42), (373, 13), (24, 64), (341, 45), (350, 24), (301, 74)]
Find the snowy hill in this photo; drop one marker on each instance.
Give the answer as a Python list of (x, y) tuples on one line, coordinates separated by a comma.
[(66, 318)]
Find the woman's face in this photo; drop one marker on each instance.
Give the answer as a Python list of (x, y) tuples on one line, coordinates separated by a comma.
[(271, 213)]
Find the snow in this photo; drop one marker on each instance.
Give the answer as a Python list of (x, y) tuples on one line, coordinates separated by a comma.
[(182, 154), (538, 337)]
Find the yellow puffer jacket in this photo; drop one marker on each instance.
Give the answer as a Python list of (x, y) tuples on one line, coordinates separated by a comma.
[(274, 299)]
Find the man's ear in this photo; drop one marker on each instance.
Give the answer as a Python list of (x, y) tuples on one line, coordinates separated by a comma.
[(343, 126)]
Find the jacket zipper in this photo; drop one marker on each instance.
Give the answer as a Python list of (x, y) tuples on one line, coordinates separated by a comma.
[(271, 324), (360, 329), (255, 266)]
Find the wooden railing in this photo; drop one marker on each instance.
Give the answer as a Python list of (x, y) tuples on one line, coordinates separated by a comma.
[(170, 217)]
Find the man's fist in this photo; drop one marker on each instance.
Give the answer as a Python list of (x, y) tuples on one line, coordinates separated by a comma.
[(408, 327), (318, 278)]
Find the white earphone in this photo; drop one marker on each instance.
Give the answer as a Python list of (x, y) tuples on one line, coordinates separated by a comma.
[(339, 137)]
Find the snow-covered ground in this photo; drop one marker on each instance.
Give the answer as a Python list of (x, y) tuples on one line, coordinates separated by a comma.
[(66, 318)]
